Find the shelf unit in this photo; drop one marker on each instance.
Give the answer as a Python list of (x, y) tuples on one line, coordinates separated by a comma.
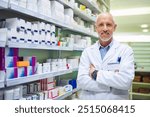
[(11, 8), (141, 57)]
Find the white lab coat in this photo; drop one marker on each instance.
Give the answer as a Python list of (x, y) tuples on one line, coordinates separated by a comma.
[(109, 83)]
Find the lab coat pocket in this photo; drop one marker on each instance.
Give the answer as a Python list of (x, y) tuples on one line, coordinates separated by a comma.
[(113, 67)]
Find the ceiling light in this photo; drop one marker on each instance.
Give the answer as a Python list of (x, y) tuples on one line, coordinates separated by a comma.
[(145, 30), (144, 25), (132, 11)]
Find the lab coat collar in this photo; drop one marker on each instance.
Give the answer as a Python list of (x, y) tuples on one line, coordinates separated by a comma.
[(110, 52)]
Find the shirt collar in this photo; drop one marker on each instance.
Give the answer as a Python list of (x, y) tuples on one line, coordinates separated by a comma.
[(108, 46)]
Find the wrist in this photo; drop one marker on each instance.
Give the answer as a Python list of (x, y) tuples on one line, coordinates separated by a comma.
[(94, 74)]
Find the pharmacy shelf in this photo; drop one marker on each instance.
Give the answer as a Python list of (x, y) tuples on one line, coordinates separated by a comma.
[(36, 46), (1, 84), (36, 15), (66, 94), (83, 15), (140, 83), (90, 5), (3, 4), (140, 94), (22, 80)]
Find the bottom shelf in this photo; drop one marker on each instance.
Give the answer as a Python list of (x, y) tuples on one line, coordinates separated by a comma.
[(67, 94)]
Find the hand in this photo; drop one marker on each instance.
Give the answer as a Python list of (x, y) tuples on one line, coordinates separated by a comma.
[(92, 69)]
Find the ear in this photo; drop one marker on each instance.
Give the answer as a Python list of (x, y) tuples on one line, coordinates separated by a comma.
[(115, 26)]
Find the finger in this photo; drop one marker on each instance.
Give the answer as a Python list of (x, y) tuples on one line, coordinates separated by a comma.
[(92, 65)]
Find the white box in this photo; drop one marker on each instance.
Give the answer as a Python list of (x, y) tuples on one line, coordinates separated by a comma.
[(46, 67), (8, 94), (50, 79), (2, 75), (28, 37), (53, 93), (50, 85), (55, 5), (14, 2), (48, 37), (67, 19), (42, 37), (32, 5), (21, 37), (3, 36), (28, 25), (34, 27), (44, 7), (35, 38), (69, 12), (39, 69), (13, 35), (22, 3), (22, 71), (16, 94), (57, 10), (11, 61), (15, 23), (47, 27)]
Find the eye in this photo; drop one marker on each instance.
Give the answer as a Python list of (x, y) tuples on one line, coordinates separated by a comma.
[(109, 25), (100, 25)]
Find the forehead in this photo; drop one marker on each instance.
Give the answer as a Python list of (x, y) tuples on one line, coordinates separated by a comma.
[(105, 18)]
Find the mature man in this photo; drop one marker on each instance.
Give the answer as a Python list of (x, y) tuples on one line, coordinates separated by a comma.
[(106, 69)]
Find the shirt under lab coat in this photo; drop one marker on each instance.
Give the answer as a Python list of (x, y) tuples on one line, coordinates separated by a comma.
[(115, 72)]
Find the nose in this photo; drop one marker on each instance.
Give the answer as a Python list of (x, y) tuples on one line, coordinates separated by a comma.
[(105, 28)]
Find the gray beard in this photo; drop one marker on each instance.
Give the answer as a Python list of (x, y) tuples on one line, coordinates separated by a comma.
[(105, 39)]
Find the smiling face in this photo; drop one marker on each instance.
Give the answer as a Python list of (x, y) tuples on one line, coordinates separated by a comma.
[(105, 27)]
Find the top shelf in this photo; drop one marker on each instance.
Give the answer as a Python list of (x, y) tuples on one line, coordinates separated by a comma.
[(26, 12), (90, 5)]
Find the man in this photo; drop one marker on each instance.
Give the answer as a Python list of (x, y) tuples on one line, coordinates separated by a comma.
[(106, 69)]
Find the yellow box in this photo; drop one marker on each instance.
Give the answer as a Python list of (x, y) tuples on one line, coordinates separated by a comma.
[(22, 63)]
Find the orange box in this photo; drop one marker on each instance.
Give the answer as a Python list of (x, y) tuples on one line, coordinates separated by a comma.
[(22, 63)]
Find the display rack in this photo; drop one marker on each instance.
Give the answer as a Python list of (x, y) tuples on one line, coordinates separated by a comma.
[(23, 12)]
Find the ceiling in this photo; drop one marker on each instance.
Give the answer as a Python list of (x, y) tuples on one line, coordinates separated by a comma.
[(131, 23)]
